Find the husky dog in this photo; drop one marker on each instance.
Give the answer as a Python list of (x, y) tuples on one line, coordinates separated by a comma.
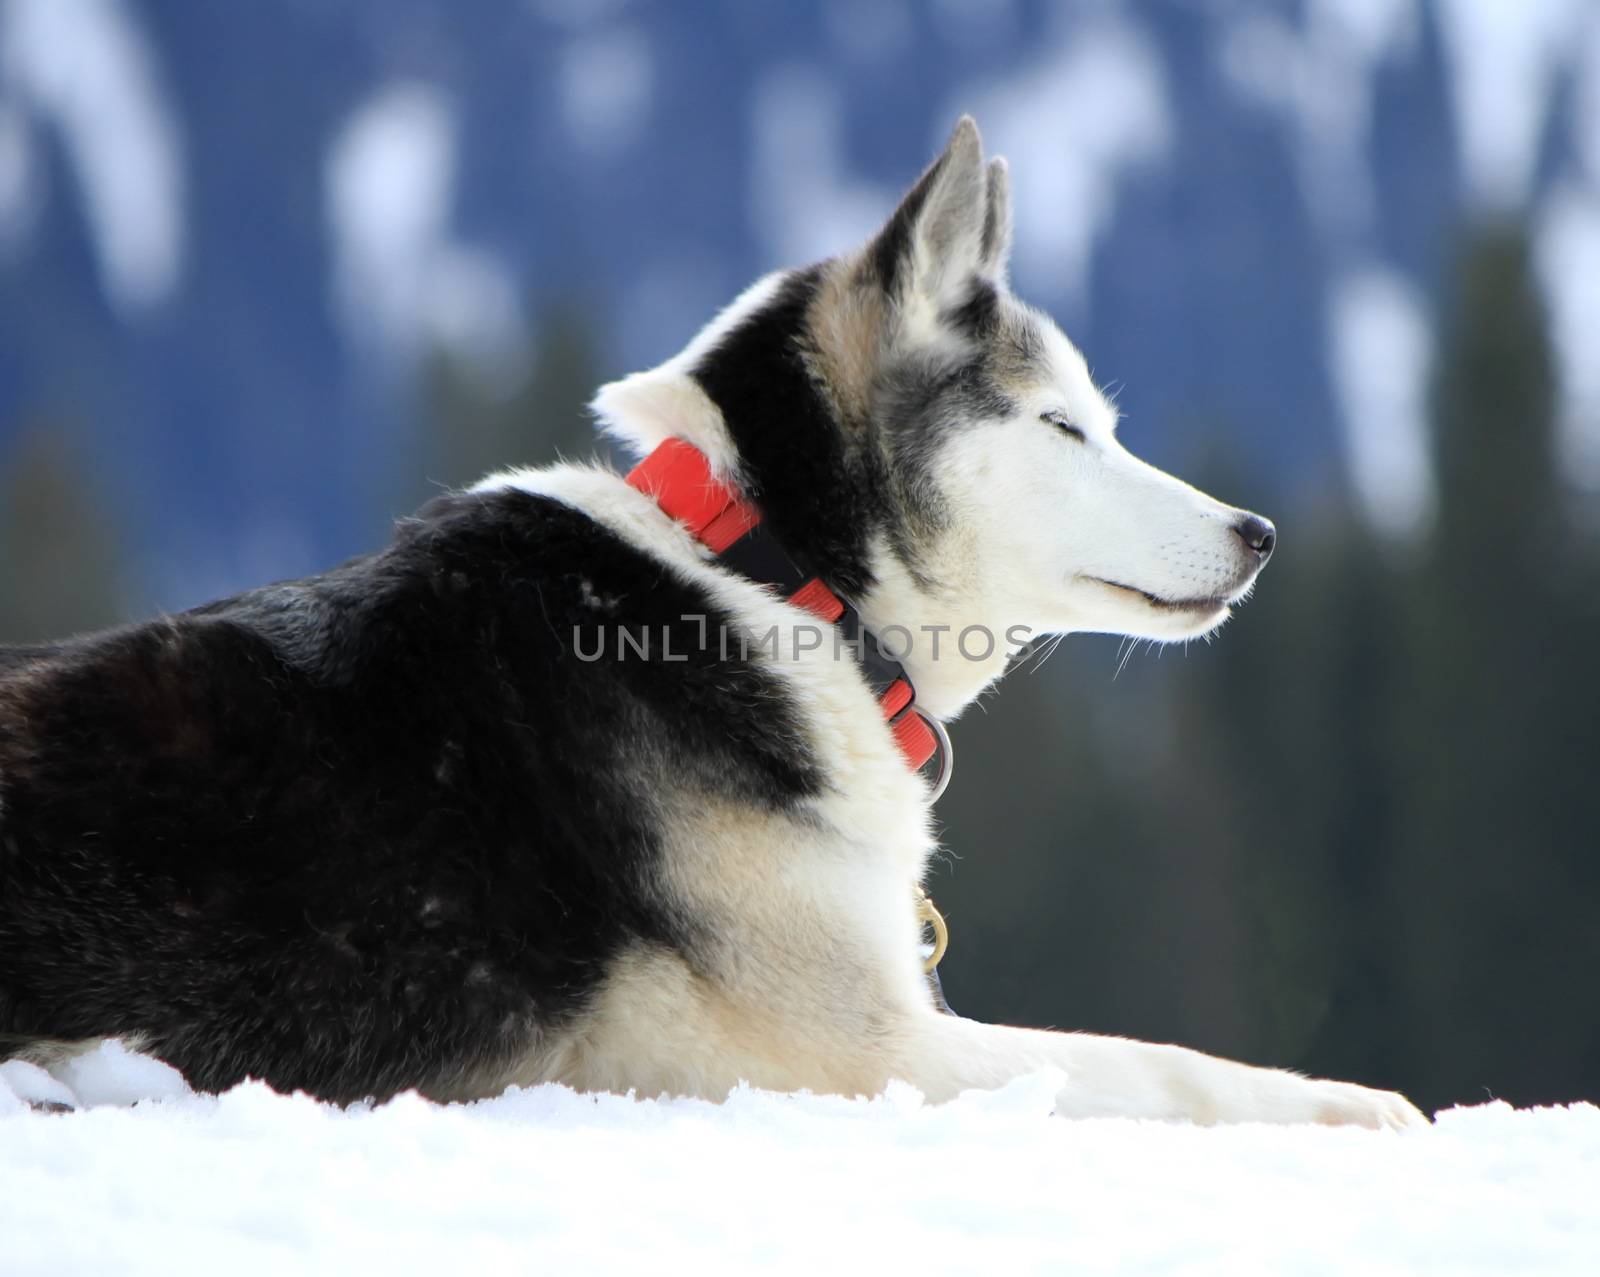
[(388, 827)]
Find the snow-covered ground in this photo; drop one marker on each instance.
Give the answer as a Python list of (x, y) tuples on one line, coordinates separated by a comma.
[(550, 1181)]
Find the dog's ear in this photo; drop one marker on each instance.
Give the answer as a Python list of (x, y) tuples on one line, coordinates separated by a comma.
[(953, 226), (996, 250)]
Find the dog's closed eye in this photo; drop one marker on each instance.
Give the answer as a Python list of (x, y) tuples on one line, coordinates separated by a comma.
[(1059, 420)]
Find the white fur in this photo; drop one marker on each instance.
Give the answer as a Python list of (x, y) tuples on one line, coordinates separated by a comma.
[(647, 408), (812, 978), (818, 984), (1045, 520)]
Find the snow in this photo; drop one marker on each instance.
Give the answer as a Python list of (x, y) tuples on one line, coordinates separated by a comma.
[(1505, 63), (607, 88), (86, 67), (1380, 354), (1321, 79), (803, 200), (1587, 106), (1090, 110), (1567, 252), (390, 176), (18, 182), (1567, 255), (255, 1182), (401, 278)]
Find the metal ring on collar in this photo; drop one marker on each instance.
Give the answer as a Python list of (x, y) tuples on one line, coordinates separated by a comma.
[(928, 915), (947, 755)]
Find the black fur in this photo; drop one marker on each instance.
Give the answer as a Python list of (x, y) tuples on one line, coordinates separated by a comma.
[(828, 486), (382, 828), (819, 490), (892, 248), (371, 830), (977, 318)]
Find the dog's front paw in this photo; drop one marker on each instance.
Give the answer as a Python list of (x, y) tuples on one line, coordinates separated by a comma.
[(1346, 1104), (27, 1085)]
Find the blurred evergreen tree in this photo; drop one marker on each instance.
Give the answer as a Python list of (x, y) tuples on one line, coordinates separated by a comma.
[(1354, 836), (1498, 850), (58, 561), (1301, 700), (1276, 793), (476, 422), (1359, 835), (1051, 855)]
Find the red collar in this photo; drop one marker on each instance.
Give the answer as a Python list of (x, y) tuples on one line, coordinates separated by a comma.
[(679, 477)]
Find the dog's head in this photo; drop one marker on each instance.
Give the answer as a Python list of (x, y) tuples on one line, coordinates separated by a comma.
[(902, 390)]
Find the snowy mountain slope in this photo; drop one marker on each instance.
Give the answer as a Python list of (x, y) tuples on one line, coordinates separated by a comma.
[(228, 233), (548, 1180)]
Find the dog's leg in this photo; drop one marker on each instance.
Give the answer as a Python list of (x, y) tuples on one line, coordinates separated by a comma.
[(29, 1084), (1114, 1077)]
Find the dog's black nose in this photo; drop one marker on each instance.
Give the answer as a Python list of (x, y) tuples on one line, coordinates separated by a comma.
[(1258, 534)]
